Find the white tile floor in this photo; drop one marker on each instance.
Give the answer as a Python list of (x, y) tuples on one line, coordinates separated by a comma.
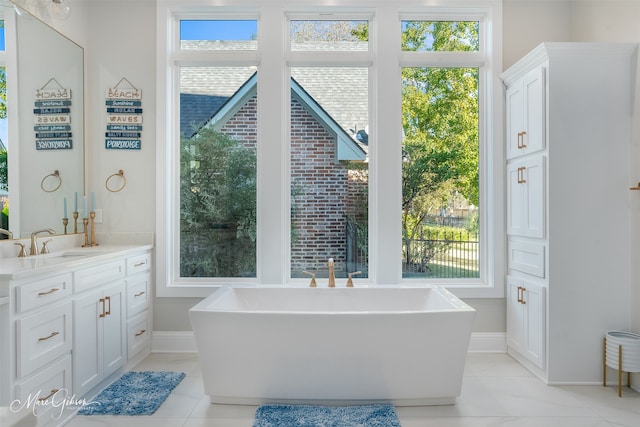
[(496, 391)]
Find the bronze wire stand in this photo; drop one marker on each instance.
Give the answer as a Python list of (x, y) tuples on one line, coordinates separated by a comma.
[(604, 369)]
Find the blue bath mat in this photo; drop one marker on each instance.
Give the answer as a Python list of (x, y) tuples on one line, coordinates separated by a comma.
[(326, 416), (134, 393)]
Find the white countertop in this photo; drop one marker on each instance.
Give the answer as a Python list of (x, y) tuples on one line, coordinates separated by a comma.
[(18, 268)]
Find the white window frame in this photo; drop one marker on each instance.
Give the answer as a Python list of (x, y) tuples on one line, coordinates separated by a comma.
[(273, 60)]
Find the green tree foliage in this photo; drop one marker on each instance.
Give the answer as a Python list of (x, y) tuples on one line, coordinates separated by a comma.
[(3, 93), (328, 31), (440, 123), (217, 206), (4, 170)]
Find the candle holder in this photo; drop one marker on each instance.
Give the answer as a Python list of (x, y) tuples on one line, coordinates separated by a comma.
[(75, 222), (65, 222), (92, 215), (85, 221)]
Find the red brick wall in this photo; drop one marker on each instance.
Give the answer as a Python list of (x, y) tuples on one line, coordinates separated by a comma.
[(319, 211), (242, 126), (321, 204)]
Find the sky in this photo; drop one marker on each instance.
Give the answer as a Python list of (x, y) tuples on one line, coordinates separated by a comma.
[(218, 30)]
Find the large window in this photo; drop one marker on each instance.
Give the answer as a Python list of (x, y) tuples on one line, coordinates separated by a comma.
[(440, 153), (295, 135), (4, 140), (328, 149)]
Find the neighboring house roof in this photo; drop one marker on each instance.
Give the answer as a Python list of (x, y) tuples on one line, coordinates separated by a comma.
[(338, 96), (347, 147)]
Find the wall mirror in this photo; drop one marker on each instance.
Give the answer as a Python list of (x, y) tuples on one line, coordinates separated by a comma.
[(45, 116)]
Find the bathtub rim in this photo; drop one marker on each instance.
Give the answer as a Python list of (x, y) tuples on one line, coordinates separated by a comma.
[(205, 304)]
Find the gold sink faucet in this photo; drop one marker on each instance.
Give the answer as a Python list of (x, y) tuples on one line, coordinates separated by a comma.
[(34, 244), (6, 233)]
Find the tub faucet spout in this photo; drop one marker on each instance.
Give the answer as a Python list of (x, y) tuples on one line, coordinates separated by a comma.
[(332, 275)]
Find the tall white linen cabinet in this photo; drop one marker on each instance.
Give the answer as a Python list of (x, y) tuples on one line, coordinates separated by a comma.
[(568, 136)]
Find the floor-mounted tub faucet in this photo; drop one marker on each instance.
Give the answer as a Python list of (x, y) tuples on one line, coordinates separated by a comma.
[(332, 275)]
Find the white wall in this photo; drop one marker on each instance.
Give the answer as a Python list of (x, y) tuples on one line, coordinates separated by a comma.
[(119, 36), (618, 21)]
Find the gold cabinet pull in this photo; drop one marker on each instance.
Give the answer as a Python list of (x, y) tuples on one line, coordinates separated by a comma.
[(142, 331), (521, 143), (140, 264), (103, 308), (109, 310), (140, 294), (52, 290), (521, 170), (522, 301), (53, 391), (53, 334), (519, 298)]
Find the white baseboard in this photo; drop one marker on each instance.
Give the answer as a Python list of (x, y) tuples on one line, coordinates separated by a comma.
[(488, 342), (173, 342), (184, 342)]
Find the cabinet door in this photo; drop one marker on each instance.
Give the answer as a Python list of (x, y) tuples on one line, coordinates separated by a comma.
[(526, 197), (515, 119), (100, 340), (534, 120), (515, 316), (87, 349), (113, 323), (526, 108), (526, 319), (534, 297)]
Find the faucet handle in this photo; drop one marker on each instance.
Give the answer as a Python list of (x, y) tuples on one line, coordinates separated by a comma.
[(350, 281), (313, 283), (23, 251), (45, 248)]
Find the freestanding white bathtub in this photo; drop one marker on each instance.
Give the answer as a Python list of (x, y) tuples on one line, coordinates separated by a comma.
[(405, 346)]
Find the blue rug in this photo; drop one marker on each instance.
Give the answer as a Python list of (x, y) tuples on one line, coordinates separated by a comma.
[(134, 393), (326, 416)]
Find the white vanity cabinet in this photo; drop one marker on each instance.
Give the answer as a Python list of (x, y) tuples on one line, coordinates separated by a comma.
[(568, 134), (99, 326), (138, 304), (64, 323), (41, 328)]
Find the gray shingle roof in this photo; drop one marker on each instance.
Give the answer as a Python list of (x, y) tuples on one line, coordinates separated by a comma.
[(341, 91)]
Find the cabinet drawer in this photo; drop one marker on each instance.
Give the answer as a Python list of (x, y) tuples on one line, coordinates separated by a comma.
[(138, 297), (527, 257), (48, 388), (138, 334), (100, 274), (138, 263), (44, 291), (43, 337)]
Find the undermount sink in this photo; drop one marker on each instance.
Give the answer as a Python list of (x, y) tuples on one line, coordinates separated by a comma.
[(61, 257)]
